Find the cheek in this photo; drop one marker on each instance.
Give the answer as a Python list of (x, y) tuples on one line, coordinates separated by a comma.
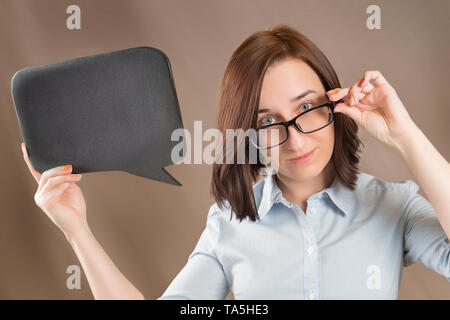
[(326, 148), (326, 140)]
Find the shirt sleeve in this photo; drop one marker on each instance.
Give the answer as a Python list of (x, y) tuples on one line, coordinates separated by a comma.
[(202, 277), (424, 239)]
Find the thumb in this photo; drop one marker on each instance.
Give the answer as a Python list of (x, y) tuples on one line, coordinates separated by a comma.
[(338, 110), (352, 112)]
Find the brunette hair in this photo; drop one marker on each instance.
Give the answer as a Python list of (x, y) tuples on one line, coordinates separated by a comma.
[(238, 102)]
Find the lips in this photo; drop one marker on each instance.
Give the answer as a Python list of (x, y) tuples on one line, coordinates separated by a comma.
[(304, 155)]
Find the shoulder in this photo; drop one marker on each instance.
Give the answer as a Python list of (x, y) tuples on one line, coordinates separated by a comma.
[(223, 210), (376, 191), (217, 211), (370, 183)]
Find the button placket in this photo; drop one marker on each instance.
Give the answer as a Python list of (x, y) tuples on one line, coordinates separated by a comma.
[(310, 259)]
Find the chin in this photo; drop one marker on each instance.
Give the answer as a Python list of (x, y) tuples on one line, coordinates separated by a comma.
[(303, 172)]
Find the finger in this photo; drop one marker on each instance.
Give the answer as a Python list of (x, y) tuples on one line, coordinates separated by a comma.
[(56, 191), (367, 88), (355, 92), (363, 106), (54, 181), (337, 93), (353, 112), (36, 175), (342, 93), (374, 76), (56, 171), (360, 105)]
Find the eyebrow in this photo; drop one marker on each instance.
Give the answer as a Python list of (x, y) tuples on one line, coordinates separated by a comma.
[(300, 96)]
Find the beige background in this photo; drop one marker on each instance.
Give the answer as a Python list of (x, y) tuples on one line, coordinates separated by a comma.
[(146, 233)]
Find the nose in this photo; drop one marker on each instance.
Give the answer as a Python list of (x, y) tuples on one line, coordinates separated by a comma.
[(296, 138)]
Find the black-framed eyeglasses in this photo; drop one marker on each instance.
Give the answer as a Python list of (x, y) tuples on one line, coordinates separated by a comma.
[(309, 121)]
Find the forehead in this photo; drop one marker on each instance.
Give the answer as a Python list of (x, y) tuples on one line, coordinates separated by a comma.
[(287, 79)]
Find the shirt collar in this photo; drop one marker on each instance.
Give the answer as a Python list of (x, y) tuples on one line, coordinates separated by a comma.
[(268, 193)]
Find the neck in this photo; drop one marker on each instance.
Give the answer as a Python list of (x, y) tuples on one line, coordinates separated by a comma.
[(298, 192)]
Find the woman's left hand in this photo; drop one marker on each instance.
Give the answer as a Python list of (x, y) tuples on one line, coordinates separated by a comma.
[(377, 108)]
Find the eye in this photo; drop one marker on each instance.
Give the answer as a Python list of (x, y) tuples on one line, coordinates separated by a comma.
[(267, 120), (306, 104)]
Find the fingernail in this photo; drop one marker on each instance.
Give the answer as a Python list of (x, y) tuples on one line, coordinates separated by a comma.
[(333, 90), (67, 167), (352, 101), (77, 175)]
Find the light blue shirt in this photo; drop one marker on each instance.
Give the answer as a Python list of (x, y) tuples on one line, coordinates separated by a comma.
[(348, 245)]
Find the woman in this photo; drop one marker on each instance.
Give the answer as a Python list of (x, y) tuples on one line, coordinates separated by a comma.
[(317, 228)]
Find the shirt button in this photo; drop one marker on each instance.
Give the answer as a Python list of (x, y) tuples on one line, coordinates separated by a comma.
[(311, 295), (310, 251), (313, 210), (320, 195)]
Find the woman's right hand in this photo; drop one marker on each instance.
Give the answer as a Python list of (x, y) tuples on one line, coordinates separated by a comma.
[(60, 197)]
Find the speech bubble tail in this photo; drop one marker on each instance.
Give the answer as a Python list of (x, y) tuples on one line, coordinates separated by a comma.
[(167, 178), (160, 175)]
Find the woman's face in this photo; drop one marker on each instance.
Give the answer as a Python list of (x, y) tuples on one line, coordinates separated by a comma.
[(282, 82)]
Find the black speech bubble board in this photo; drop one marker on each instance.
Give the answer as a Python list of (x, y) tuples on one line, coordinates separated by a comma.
[(111, 111)]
